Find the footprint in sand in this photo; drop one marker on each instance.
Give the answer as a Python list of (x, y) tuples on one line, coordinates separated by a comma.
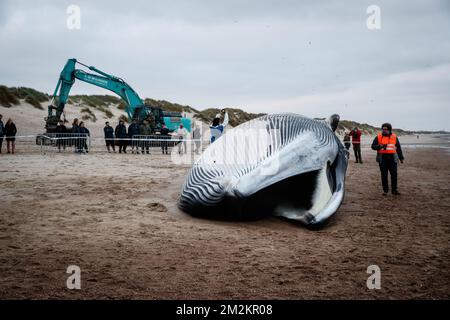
[(158, 207)]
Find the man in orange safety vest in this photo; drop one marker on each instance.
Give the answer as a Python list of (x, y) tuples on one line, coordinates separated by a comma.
[(389, 152)]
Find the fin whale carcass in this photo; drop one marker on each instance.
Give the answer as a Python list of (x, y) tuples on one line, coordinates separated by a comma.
[(285, 165)]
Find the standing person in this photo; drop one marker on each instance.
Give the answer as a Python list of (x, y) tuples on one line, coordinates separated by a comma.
[(85, 134), (181, 134), (146, 130), (165, 135), (388, 150), (133, 130), (347, 140), (76, 135), (61, 132), (217, 128), (10, 132), (2, 132), (152, 121), (356, 141), (109, 137), (197, 136), (121, 134)]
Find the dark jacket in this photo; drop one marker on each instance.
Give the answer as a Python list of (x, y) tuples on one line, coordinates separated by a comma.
[(2, 129), (151, 120), (376, 146), (10, 129), (61, 129), (146, 129), (165, 131), (133, 130), (109, 132), (347, 138), (121, 131), (85, 130), (75, 129)]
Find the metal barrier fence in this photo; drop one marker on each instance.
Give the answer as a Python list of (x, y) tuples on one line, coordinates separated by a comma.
[(142, 144), (78, 142), (147, 144), (23, 144), (54, 143), (151, 143)]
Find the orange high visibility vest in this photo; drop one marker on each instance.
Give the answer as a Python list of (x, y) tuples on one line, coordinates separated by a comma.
[(390, 141)]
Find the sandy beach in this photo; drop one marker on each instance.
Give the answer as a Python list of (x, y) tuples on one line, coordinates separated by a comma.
[(115, 217), (273, 85)]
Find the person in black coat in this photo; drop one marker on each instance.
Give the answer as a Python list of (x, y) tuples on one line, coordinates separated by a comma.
[(75, 126), (109, 137), (75, 130), (2, 132), (61, 135), (121, 135), (133, 130), (10, 132), (85, 135), (165, 135)]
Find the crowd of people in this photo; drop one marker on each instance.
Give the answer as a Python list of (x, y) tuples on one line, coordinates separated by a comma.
[(76, 136), (140, 137)]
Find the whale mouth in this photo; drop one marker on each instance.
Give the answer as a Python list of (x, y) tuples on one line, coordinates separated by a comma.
[(294, 198), (296, 195), (295, 192)]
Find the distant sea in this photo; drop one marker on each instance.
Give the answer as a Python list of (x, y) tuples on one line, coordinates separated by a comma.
[(441, 141)]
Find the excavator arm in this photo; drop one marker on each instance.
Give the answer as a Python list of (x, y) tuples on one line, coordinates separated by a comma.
[(134, 103)]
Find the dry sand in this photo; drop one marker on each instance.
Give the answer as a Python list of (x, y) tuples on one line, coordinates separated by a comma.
[(115, 216)]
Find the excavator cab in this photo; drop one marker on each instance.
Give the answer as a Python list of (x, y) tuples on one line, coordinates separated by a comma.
[(172, 119), (151, 113)]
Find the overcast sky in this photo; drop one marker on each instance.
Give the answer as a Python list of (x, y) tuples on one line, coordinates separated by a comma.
[(306, 57)]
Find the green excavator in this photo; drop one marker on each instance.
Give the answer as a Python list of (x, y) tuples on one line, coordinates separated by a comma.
[(134, 106)]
